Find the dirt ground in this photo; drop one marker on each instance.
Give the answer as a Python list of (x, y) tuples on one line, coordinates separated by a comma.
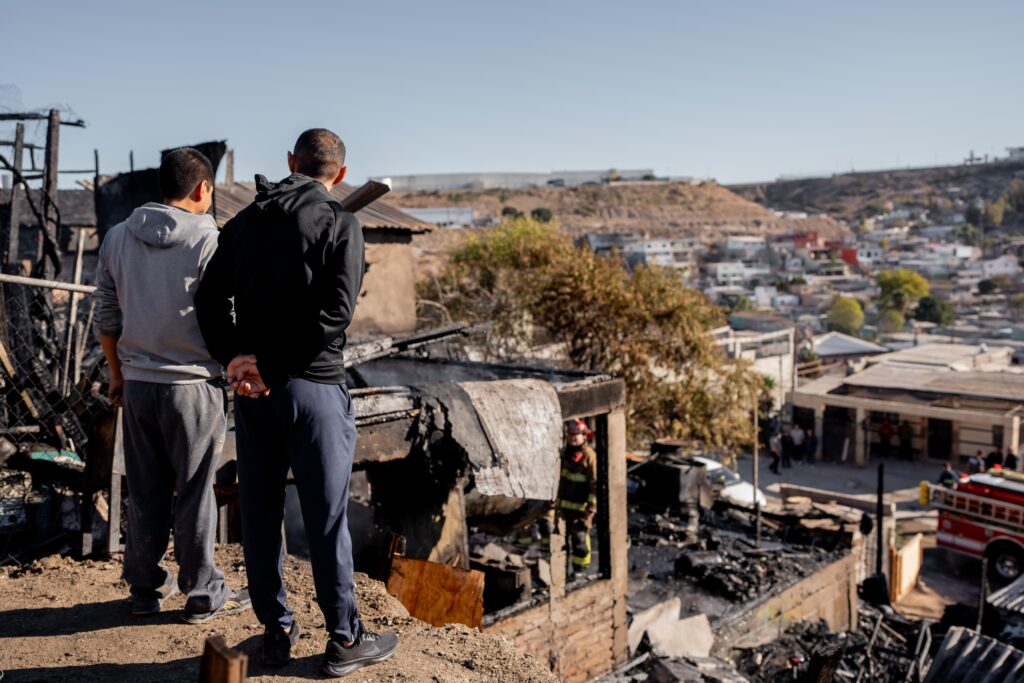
[(655, 209), (64, 620)]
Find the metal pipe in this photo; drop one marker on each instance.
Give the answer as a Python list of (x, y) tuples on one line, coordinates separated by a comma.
[(47, 284)]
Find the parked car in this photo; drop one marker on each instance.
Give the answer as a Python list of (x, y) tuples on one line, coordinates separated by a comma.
[(728, 485)]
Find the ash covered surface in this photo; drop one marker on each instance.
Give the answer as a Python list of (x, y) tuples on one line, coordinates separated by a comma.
[(717, 570), (890, 658)]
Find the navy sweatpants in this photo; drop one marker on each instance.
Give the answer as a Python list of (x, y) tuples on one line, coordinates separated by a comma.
[(310, 428)]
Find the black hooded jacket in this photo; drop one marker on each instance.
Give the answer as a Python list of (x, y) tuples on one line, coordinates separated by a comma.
[(293, 262)]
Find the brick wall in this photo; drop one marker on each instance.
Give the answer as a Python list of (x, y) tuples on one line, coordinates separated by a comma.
[(575, 635), (829, 594)]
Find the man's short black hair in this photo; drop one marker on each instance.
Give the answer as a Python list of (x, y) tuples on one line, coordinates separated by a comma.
[(319, 153), (181, 170)]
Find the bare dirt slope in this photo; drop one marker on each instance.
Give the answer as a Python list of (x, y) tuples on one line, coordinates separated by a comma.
[(654, 209), (64, 620), (851, 196)]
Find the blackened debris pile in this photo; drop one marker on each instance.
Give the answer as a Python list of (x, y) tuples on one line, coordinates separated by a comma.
[(731, 565), (884, 649), (652, 669), (734, 568)]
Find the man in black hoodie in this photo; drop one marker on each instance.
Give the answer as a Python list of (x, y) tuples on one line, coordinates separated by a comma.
[(292, 264)]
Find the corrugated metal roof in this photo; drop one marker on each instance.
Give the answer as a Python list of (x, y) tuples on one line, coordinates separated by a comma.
[(1010, 598), (77, 208), (233, 198), (1004, 385), (969, 656)]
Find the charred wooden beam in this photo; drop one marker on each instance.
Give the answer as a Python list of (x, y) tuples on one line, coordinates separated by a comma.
[(14, 213), (592, 396), (385, 441), (36, 116), (50, 189)]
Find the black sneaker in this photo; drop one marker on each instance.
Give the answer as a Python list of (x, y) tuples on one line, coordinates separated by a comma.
[(369, 648), (147, 603), (277, 644), (237, 602)]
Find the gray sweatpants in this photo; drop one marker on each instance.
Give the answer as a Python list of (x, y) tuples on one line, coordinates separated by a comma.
[(173, 437)]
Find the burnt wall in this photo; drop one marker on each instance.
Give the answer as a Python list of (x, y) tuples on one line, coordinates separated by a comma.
[(829, 594)]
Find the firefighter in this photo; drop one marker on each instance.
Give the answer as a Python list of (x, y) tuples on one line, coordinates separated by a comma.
[(577, 494)]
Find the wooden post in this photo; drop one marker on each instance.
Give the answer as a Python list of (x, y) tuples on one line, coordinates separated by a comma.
[(50, 189), (72, 320), (221, 664), (757, 503), (14, 214)]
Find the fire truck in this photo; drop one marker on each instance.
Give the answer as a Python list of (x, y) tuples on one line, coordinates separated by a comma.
[(982, 515)]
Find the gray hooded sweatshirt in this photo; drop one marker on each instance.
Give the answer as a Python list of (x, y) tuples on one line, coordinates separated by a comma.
[(148, 271)]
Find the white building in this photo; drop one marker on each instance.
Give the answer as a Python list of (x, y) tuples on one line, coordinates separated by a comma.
[(444, 216), (868, 255), (727, 273), (1004, 265), (483, 181), (745, 246)]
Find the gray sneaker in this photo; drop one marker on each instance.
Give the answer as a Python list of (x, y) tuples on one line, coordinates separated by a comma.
[(369, 648), (236, 602), (149, 602)]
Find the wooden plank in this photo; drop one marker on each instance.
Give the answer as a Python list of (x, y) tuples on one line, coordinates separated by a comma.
[(587, 398), (116, 474), (436, 593), (824, 496), (221, 664)]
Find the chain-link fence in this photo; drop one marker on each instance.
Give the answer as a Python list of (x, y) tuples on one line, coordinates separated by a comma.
[(51, 407), (51, 363)]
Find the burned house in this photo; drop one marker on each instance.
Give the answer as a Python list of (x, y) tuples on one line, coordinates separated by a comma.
[(387, 303)]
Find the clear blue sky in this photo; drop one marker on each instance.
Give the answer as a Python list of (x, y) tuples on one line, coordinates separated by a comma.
[(735, 90)]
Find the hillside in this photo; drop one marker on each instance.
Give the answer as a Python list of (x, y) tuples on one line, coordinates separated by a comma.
[(850, 196), (652, 209)]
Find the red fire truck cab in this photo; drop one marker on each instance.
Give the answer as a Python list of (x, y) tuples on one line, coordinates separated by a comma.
[(982, 515)]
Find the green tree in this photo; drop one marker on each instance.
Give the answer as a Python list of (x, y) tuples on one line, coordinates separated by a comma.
[(1015, 195), (934, 309), (511, 212), (995, 211), (536, 288), (986, 287), (891, 320), (541, 215), (901, 289), (846, 315), (742, 303)]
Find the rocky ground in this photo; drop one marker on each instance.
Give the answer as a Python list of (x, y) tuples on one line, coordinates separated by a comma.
[(64, 620)]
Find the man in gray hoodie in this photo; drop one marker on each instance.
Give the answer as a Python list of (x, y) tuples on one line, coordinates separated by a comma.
[(170, 387)]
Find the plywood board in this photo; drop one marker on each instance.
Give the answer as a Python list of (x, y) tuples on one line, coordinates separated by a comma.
[(438, 594)]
